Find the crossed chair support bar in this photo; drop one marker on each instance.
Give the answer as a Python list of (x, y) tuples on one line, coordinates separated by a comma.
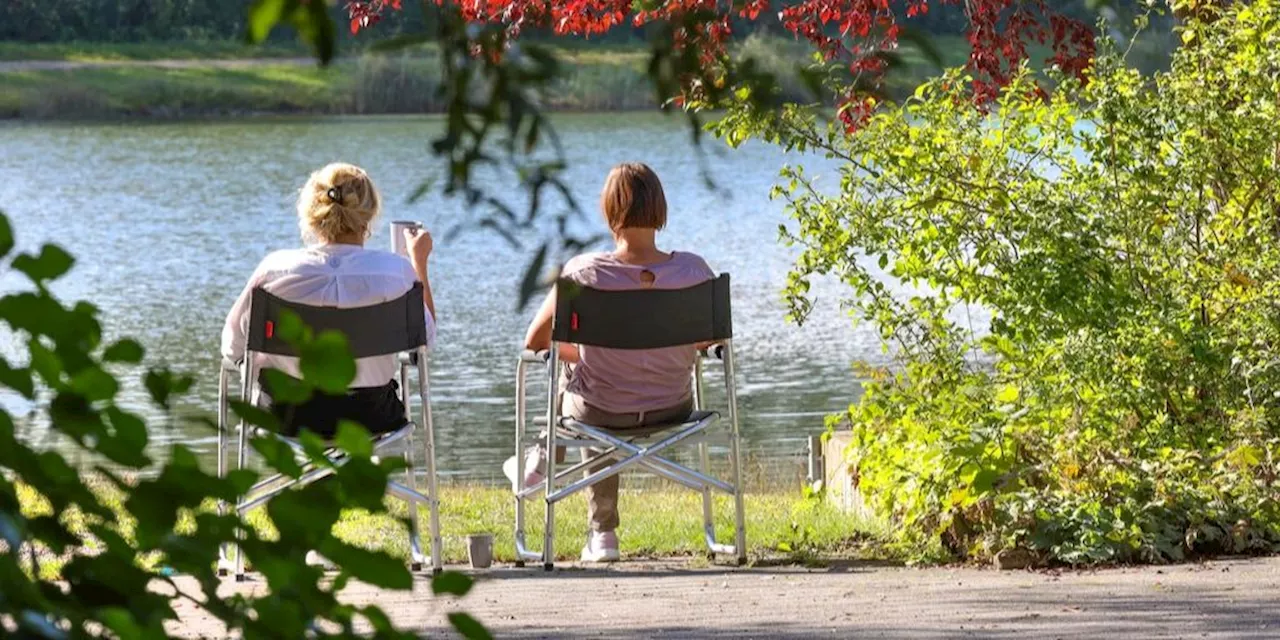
[(627, 452), (402, 440)]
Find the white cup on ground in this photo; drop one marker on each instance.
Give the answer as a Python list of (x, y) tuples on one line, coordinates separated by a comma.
[(480, 550)]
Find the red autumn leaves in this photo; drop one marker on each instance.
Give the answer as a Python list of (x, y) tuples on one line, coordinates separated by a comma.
[(1000, 31), (366, 13), (855, 33)]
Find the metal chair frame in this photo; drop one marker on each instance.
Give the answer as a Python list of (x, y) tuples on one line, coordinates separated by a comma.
[(639, 449), (272, 486)]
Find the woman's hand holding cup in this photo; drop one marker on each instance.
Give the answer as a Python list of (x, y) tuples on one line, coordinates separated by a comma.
[(419, 243)]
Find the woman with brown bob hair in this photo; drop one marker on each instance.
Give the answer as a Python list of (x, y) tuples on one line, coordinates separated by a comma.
[(621, 388)]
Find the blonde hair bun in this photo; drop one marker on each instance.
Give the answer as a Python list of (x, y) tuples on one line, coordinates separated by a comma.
[(338, 202)]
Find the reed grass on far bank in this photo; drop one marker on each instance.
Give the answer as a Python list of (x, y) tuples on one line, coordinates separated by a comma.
[(369, 84)]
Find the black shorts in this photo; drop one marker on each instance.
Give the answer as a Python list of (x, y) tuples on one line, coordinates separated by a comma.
[(377, 409)]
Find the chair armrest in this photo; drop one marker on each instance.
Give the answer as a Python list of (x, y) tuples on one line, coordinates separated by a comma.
[(714, 351), (230, 365), (529, 355)]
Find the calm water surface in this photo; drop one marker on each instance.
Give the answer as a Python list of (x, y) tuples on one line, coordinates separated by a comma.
[(168, 220)]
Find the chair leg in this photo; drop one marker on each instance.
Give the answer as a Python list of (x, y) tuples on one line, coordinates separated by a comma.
[(704, 465), (238, 565), (518, 483), (223, 550), (553, 399), (735, 446), (239, 550), (242, 452), (411, 479), (429, 447), (437, 545), (548, 538), (415, 527), (708, 517), (548, 535), (740, 541), (519, 526)]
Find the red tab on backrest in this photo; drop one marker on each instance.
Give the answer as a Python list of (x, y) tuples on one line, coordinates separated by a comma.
[(573, 321), (271, 329)]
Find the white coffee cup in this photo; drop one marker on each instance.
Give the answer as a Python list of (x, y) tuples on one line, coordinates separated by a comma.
[(397, 235)]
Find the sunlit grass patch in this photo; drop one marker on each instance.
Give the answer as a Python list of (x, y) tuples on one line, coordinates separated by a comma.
[(657, 522)]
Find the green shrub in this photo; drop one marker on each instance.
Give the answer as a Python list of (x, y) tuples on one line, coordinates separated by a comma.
[(1082, 291)]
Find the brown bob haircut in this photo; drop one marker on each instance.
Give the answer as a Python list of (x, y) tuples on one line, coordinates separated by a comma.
[(632, 198)]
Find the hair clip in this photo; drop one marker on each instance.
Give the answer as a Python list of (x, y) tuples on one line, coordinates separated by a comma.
[(335, 195)]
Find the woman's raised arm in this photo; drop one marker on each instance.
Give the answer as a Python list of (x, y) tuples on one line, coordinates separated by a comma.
[(420, 244)]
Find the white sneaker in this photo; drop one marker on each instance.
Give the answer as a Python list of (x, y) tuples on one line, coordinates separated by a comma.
[(602, 546), (314, 559), (534, 463)]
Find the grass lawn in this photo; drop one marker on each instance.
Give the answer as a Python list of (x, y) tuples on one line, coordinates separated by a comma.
[(656, 522), (660, 522)]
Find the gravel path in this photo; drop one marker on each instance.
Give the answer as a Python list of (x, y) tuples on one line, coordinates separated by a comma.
[(1221, 599)]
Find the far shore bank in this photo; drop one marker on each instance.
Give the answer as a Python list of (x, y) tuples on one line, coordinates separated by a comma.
[(178, 88), (108, 82)]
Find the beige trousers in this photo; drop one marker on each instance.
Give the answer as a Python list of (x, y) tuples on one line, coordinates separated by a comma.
[(602, 497)]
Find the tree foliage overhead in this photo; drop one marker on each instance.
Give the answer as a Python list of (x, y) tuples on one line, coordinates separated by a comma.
[(131, 20), (857, 35)]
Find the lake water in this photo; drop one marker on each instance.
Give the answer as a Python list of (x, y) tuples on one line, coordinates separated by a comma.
[(167, 220)]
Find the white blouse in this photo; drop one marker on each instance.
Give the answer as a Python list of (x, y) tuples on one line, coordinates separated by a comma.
[(333, 275)]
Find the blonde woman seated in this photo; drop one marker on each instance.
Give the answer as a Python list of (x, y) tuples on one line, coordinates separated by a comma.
[(621, 388), (336, 210)]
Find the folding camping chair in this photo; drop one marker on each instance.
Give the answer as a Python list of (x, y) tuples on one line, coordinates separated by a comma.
[(393, 327), (640, 319)]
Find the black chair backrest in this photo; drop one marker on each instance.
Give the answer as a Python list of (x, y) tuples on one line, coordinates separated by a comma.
[(642, 318), (380, 329)]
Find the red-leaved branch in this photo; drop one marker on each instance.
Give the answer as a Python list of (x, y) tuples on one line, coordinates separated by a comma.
[(852, 32)]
